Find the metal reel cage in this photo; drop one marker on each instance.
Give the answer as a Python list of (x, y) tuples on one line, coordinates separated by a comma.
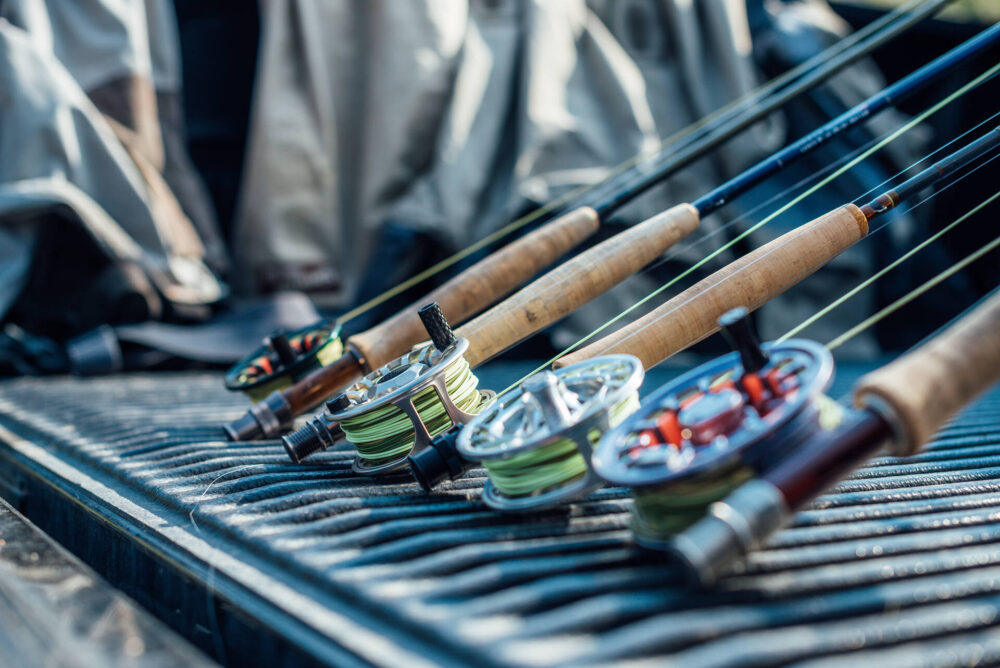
[(398, 383), (549, 408), (285, 358)]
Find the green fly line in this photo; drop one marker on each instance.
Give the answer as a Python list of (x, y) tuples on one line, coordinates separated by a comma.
[(920, 118), (554, 464), (386, 432), (749, 100), (882, 272), (913, 294), (660, 511)]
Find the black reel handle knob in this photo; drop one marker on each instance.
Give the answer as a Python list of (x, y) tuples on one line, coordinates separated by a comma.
[(739, 332), (278, 342), (437, 326)]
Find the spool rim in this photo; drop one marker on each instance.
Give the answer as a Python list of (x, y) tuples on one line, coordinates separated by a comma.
[(436, 362), (330, 333), (509, 447), (610, 465)]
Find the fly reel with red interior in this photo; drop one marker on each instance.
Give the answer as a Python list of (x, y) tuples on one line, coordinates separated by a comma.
[(699, 437), (285, 358)]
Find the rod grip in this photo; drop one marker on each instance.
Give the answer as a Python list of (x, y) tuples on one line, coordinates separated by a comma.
[(750, 281), (575, 282), (478, 286), (925, 387)]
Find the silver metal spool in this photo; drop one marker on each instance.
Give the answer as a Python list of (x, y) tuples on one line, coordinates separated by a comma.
[(549, 407), (397, 383)]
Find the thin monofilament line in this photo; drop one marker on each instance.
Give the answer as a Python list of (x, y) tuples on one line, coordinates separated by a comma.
[(913, 294), (749, 101), (839, 301), (924, 115), (866, 196)]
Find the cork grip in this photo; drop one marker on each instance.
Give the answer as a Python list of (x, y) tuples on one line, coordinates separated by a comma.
[(927, 386), (478, 286), (750, 281), (575, 282)]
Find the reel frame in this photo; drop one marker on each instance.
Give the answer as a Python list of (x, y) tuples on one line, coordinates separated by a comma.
[(760, 439), (286, 373), (548, 391), (364, 396)]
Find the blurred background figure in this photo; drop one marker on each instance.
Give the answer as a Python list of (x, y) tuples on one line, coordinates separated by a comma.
[(347, 146)]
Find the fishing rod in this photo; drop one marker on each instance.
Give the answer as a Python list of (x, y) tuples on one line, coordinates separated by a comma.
[(736, 419), (536, 441), (389, 396), (294, 381), (898, 407)]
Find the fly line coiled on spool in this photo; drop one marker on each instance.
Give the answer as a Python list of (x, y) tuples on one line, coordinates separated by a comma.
[(399, 408), (386, 432), (551, 465), (536, 441)]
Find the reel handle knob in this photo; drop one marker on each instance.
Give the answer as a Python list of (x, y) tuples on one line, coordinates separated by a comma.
[(440, 461), (278, 342), (739, 332), (437, 326)]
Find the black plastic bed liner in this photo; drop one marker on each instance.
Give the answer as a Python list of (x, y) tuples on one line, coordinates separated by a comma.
[(264, 562)]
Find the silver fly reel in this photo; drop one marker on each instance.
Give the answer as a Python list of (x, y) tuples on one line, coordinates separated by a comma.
[(536, 441), (400, 384)]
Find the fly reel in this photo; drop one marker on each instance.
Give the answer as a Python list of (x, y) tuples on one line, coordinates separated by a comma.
[(700, 436), (536, 442), (401, 406), (285, 358)]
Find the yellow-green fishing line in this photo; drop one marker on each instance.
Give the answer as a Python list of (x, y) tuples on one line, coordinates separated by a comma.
[(552, 465), (386, 432), (664, 510)]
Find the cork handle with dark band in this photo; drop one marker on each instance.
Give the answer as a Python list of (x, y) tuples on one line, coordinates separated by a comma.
[(927, 386), (750, 281), (479, 286), (575, 282)]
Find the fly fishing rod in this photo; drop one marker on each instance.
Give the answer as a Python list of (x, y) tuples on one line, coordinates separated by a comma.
[(315, 377), (536, 441), (366, 410), (730, 421), (898, 407)]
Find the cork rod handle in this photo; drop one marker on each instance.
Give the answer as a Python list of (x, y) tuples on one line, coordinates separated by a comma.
[(575, 282), (750, 281), (478, 286), (928, 385)]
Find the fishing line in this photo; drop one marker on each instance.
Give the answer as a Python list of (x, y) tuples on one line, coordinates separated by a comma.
[(924, 115), (893, 24), (750, 214), (913, 294), (898, 261), (865, 196)]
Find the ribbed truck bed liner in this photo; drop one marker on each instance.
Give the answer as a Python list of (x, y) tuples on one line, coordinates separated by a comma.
[(259, 560)]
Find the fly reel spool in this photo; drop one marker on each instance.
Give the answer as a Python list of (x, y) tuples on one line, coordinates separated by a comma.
[(285, 358), (536, 442), (401, 406), (702, 435)]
